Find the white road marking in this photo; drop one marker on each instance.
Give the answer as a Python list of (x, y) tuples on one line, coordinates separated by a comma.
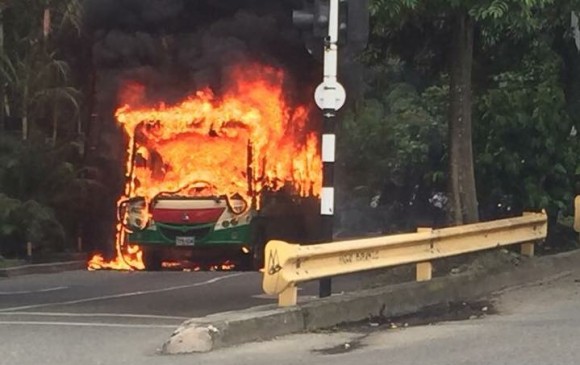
[(124, 295), (265, 296), (110, 315), (33, 291), (85, 324), (274, 296)]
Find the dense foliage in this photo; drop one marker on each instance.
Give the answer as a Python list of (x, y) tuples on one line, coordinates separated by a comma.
[(394, 142), (42, 192), (525, 106)]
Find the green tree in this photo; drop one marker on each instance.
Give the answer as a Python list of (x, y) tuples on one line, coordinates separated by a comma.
[(42, 193), (36, 81), (44, 196), (390, 139), (525, 137), (459, 20)]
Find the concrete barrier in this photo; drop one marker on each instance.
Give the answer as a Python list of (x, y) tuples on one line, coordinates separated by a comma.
[(267, 322)]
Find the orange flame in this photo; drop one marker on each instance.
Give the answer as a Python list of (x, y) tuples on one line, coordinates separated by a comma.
[(171, 264), (225, 266), (129, 259), (209, 139)]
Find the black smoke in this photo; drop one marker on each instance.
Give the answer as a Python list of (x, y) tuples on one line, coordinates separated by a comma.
[(175, 47)]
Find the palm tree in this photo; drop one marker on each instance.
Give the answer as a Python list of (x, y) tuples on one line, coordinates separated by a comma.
[(37, 82), (42, 188), (2, 85)]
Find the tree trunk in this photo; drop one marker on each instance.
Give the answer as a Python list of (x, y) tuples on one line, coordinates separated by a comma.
[(25, 122), (2, 86), (89, 134), (24, 126), (54, 125), (2, 108), (463, 200), (569, 52)]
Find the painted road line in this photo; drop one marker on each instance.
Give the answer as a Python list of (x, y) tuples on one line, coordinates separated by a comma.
[(101, 315), (83, 324), (33, 291), (124, 295)]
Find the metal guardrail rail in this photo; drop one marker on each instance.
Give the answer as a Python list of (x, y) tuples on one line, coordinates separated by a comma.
[(287, 264), (577, 214)]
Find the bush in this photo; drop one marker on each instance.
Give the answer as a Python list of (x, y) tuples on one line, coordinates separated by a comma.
[(525, 143), (41, 196)]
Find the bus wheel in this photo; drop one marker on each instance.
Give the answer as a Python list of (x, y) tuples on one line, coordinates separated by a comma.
[(152, 259)]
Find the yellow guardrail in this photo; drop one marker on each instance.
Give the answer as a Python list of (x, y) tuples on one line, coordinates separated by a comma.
[(289, 264), (577, 214)]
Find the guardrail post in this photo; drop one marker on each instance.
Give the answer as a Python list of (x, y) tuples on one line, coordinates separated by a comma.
[(527, 249), (288, 297), (424, 271)]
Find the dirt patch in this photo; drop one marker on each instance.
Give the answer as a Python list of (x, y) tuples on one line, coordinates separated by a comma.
[(342, 348), (451, 312)]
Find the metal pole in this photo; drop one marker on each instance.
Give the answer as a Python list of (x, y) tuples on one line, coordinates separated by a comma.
[(330, 97), (327, 199)]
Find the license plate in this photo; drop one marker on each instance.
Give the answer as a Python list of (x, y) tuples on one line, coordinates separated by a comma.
[(185, 241)]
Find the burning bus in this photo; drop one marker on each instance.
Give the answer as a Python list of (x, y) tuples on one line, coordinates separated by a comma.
[(214, 175)]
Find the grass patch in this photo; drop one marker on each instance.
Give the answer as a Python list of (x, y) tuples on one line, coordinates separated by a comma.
[(8, 263)]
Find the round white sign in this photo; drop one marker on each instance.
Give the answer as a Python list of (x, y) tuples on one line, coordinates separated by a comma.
[(330, 96)]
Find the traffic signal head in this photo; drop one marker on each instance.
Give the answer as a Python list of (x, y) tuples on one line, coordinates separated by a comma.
[(313, 20), (313, 17), (354, 24)]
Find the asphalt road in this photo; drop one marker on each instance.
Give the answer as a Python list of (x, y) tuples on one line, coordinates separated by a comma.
[(174, 294), (114, 318), (536, 325), (103, 317)]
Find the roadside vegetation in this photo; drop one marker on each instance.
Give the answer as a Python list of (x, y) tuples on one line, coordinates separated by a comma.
[(470, 110), (407, 143), (43, 193)]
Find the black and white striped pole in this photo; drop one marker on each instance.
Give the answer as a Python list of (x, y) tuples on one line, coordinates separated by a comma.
[(330, 96)]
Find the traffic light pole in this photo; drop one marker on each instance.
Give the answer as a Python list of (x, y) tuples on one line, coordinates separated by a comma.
[(352, 17), (330, 97), (327, 200)]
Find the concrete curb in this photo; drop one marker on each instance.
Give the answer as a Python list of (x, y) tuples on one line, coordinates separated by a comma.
[(267, 322), (47, 268)]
